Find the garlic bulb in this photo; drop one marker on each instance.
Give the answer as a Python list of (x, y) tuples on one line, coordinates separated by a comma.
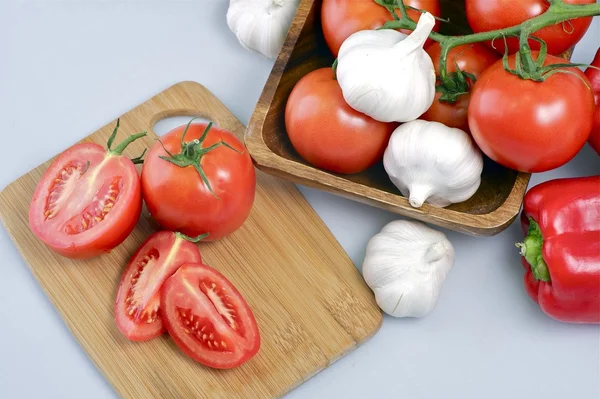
[(405, 266), (261, 25), (386, 74), (431, 162)]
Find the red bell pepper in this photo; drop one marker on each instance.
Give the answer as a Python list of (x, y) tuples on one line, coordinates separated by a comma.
[(593, 75), (561, 250)]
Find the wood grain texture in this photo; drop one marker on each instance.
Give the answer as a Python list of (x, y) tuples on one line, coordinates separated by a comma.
[(310, 302), (493, 207)]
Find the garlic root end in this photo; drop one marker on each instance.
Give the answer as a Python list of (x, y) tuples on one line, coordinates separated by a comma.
[(418, 195)]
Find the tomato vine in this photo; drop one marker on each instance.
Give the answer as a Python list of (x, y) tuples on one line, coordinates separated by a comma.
[(528, 68)]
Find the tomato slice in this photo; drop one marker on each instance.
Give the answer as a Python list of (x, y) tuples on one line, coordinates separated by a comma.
[(208, 318), (137, 312), (87, 201)]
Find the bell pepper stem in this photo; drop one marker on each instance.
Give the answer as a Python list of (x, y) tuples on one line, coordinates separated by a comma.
[(531, 249)]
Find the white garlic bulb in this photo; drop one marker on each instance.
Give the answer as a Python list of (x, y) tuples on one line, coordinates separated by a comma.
[(405, 266), (386, 74), (261, 25), (431, 162)]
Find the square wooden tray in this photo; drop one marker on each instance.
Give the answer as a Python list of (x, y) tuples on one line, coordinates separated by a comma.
[(493, 207)]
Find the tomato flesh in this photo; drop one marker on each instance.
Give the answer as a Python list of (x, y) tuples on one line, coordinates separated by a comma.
[(180, 200), (87, 202), (531, 126), (487, 15), (208, 318), (137, 306)]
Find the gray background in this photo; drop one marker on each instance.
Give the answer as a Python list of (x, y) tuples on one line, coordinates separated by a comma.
[(69, 67)]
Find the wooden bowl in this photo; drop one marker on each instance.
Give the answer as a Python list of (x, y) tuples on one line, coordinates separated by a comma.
[(493, 207)]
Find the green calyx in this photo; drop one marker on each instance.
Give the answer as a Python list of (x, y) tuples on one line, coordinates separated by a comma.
[(531, 249), (118, 150), (528, 68), (454, 85), (191, 239), (192, 152)]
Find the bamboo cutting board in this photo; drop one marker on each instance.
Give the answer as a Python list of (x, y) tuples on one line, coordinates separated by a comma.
[(310, 302)]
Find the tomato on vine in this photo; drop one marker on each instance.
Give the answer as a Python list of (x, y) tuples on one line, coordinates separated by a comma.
[(450, 104), (488, 15), (529, 125)]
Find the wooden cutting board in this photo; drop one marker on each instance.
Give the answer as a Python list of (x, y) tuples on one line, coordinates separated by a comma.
[(310, 302)]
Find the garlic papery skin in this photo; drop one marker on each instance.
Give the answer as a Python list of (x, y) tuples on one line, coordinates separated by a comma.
[(405, 266), (431, 162), (386, 74), (261, 25)]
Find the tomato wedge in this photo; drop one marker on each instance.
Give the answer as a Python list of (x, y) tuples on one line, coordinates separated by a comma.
[(208, 318), (137, 312), (88, 200)]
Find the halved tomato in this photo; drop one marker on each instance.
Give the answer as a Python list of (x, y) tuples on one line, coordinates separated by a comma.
[(208, 318), (88, 200), (137, 312)]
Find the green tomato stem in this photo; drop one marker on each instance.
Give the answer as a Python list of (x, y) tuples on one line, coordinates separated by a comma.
[(192, 152), (118, 150), (191, 239)]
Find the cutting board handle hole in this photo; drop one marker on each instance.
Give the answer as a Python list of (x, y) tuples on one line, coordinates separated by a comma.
[(166, 124)]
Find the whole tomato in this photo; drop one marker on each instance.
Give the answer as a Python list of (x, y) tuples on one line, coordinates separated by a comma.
[(201, 183), (471, 58), (341, 18), (593, 75), (487, 15), (531, 126), (327, 132)]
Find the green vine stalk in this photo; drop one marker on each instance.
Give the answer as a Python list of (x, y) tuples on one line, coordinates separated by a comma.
[(557, 12)]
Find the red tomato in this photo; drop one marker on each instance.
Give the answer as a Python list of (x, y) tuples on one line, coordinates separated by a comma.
[(593, 75), (180, 199), (88, 200), (487, 15), (531, 126), (471, 58), (208, 318), (341, 18), (327, 132), (137, 312)]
